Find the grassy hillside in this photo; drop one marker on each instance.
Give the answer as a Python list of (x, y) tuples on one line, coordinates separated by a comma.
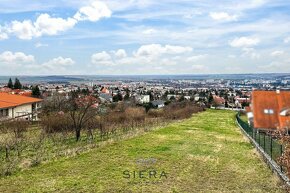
[(206, 153)]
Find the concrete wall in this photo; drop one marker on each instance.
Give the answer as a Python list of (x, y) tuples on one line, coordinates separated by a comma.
[(22, 110)]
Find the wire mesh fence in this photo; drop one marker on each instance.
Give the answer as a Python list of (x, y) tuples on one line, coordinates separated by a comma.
[(266, 142)]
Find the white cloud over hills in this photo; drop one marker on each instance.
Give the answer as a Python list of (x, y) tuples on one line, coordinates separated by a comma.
[(28, 63)]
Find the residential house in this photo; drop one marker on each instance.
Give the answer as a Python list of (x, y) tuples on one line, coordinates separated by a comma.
[(104, 97), (18, 106), (143, 99), (158, 103), (271, 109), (105, 90), (219, 101)]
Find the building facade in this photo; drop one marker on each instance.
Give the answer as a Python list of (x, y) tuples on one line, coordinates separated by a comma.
[(17, 106)]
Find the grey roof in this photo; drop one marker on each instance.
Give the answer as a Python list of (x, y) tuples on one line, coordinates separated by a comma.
[(158, 102), (106, 96)]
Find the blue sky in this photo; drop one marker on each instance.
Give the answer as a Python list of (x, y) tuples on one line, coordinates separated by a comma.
[(144, 37)]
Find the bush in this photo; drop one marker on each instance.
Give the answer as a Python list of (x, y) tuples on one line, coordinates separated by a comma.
[(156, 113), (56, 123)]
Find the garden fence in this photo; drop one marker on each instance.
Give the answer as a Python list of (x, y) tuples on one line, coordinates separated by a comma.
[(265, 141)]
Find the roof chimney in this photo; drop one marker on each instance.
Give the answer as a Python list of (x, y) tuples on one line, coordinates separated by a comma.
[(278, 91)]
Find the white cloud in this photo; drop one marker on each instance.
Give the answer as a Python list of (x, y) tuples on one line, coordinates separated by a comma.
[(146, 58), (58, 63), (21, 63), (232, 56), (8, 57), (196, 58), (149, 31), (157, 49), (23, 30), (277, 53), (244, 42), (3, 36), (250, 53), (121, 53), (223, 16), (94, 12), (257, 3), (199, 67), (276, 67), (39, 45), (44, 25), (47, 25), (102, 58), (287, 40)]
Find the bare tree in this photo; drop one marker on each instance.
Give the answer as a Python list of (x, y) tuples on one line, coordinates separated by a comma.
[(55, 103), (18, 127), (81, 110)]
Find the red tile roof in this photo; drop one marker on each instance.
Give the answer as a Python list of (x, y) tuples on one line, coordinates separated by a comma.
[(10, 100), (273, 102)]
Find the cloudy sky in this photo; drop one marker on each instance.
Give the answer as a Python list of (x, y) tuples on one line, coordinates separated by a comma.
[(144, 37)]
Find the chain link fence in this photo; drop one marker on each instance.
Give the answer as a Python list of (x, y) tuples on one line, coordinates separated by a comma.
[(266, 142)]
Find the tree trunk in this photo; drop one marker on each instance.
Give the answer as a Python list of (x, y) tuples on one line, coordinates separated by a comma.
[(78, 134), (7, 153)]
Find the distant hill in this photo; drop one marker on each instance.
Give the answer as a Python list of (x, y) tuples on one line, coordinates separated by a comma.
[(41, 79), (74, 78)]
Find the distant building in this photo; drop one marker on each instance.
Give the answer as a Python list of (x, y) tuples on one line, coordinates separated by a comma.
[(219, 101), (187, 97), (196, 97), (18, 106), (171, 96), (158, 103), (143, 99), (104, 97), (105, 90), (271, 109), (16, 91)]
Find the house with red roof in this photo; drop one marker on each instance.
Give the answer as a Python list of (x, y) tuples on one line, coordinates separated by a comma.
[(18, 106), (270, 110)]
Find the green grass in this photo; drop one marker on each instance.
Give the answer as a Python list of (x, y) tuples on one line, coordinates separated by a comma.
[(206, 153), (244, 118)]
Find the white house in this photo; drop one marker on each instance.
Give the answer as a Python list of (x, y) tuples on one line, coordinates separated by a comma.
[(18, 106), (143, 99)]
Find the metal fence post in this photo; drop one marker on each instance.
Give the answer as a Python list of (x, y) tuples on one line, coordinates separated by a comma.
[(271, 150), (281, 152), (252, 132), (264, 142), (259, 137)]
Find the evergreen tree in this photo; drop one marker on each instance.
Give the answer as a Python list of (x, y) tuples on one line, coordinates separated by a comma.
[(10, 83), (35, 91), (210, 99), (182, 98), (118, 97), (127, 96), (17, 84)]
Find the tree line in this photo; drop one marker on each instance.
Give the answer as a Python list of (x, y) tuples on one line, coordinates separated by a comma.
[(17, 85)]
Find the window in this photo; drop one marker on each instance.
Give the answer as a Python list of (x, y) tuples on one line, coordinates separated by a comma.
[(4, 112), (269, 111)]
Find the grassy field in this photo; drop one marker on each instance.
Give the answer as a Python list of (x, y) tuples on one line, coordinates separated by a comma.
[(206, 153), (244, 118)]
